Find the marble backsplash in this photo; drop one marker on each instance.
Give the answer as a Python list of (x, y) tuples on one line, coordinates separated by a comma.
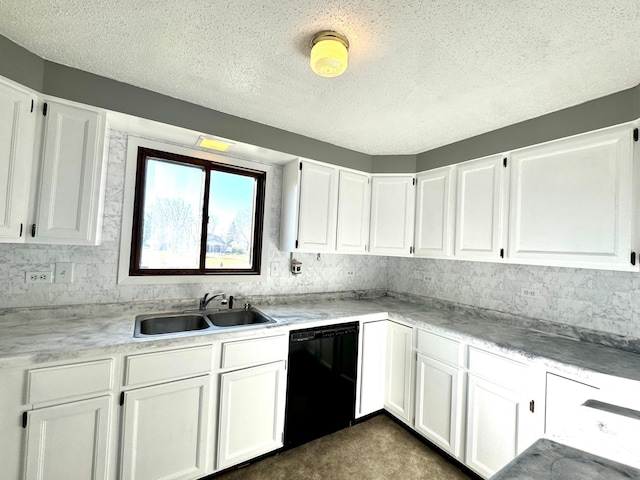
[(95, 268), (596, 300)]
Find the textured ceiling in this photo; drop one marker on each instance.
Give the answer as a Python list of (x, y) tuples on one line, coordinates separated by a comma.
[(421, 73)]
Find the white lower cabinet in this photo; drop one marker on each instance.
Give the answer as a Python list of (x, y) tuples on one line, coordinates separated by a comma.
[(371, 368), (399, 370), (68, 441), (501, 417), (251, 421), (439, 404), (165, 430)]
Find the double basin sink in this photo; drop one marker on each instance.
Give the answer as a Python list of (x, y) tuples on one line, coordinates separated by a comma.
[(197, 322)]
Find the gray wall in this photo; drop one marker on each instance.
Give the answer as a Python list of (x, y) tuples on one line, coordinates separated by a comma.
[(602, 112), (20, 65), (394, 164), (83, 87)]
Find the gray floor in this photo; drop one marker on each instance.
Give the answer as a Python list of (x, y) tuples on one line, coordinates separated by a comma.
[(377, 449)]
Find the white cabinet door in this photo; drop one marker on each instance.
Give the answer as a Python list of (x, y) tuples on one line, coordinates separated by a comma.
[(480, 208), (571, 201), (251, 420), (435, 212), (392, 209), (439, 394), (165, 431), (68, 441), (17, 130), (399, 371), (72, 176), (371, 368), (317, 214), (498, 426), (354, 201), (564, 396)]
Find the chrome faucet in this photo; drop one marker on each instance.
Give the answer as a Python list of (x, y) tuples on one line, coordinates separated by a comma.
[(204, 301)]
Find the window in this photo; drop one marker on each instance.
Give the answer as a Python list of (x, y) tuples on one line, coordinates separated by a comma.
[(195, 217)]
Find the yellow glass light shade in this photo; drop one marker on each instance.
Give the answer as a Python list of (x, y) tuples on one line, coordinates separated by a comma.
[(213, 144), (329, 54)]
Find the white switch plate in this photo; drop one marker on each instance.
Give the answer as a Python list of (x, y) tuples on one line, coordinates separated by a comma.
[(38, 277), (64, 272)]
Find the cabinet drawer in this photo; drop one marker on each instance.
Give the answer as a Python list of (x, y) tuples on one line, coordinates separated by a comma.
[(441, 348), (254, 351), (500, 370), (65, 382), (159, 367)]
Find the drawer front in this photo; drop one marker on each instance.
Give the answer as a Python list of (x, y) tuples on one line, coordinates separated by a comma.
[(169, 365), (500, 370), (65, 382), (255, 351), (441, 348)]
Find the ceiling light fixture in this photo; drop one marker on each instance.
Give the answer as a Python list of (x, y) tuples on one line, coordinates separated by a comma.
[(213, 144), (329, 53)]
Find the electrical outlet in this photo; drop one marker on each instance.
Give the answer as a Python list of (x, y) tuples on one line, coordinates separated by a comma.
[(64, 272), (530, 292), (38, 277)]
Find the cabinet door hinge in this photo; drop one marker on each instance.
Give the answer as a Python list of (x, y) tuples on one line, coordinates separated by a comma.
[(300, 165), (21, 228), (24, 419), (282, 437), (633, 258), (502, 253), (532, 406), (504, 162), (296, 243), (33, 230), (121, 398), (32, 105), (45, 107), (414, 181), (635, 134)]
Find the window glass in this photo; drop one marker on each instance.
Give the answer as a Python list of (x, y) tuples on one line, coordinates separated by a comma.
[(230, 228), (172, 215), (193, 216)]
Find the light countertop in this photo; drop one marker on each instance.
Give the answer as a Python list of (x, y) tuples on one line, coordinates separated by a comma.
[(48, 334)]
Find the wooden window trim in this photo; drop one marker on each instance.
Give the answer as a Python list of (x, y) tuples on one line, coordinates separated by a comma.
[(136, 237)]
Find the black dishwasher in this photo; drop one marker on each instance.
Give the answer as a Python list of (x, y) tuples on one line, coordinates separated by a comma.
[(321, 382)]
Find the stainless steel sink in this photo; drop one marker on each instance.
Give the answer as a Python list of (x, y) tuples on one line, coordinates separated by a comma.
[(236, 318), (193, 323), (163, 323)]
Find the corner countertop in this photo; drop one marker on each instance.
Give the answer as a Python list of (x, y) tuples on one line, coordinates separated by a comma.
[(38, 335), (555, 461)]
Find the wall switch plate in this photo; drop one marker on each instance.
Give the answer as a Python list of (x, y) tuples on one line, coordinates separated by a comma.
[(275, 271), (38, 277), (64, 272)]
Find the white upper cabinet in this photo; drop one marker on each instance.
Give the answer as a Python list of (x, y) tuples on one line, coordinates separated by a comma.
[(354, 200), (392, 209), (17, 129), (481, 199), (435, 212), (72, 176), (309, 204), (571, 201)]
